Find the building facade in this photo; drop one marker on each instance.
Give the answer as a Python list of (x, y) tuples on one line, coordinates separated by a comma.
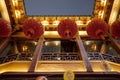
[(36, 48)]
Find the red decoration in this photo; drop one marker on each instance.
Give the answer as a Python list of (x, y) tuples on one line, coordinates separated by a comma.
[(67, 29), (5, 28), (97, 29), (115, 29), (32, 29)]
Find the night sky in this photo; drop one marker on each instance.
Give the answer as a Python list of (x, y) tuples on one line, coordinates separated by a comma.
[(59, 7)]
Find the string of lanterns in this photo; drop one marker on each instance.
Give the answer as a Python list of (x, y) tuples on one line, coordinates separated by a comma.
[(96, 29), (67, 29)]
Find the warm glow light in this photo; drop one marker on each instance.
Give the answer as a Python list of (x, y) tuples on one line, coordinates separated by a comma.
[(3, 10), (45, 23), (93, 47), (52, 43), (25, 48), (114, 11), (17, 13), (100, 14), (54, 34), (34, 42), (15, 66), (59, 66), (119, 17), (82, 33), (57, 43), (15, 2), (103, 49), (46, 43), (56, 22), (87, 42), (79, 22), (51, 33), (103, 2), (88, 21), (55, 66)]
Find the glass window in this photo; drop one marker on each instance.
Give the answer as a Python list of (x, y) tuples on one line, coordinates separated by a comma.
[(51, 46), (18, 50), (59, 46), (59, 50), (102, 46)]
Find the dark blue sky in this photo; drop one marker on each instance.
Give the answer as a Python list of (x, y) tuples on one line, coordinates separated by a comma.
[(59, 7)]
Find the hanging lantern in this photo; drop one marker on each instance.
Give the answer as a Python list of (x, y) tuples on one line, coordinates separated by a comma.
[(67, 29), (32, 29), (115, 29), (97, 29), (5, 28), (41, 78)]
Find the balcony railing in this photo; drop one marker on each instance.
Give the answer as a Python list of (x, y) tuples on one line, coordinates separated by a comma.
[(60, 57), (14, 57), (99, 56)]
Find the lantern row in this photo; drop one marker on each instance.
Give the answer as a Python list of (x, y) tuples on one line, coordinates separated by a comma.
[(67, 29)]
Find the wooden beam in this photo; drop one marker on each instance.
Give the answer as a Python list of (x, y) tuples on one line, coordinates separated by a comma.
[(10, 13), (84, 54), (36, 55), (4, 44), (115, 44), (82, 75)]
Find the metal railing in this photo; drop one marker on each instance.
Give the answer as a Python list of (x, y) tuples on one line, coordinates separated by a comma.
[(60, 57), (99, 56), (15, 57)]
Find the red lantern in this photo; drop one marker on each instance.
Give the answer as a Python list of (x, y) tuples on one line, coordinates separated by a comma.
[(32, 29), (97, 29), (5, 28), (67, 29), (115, 29)]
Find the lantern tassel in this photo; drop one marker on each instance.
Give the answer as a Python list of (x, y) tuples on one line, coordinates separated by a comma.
[(102, 37)]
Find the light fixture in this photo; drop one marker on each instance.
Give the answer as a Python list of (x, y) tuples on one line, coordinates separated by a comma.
[(56, 22), (103, 2), (34, 42), (100, 14), (17, 14), (24, 48), (45, 22), (93, 47), (79, 22), (15, 3), (88, 21), (87, 42)]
